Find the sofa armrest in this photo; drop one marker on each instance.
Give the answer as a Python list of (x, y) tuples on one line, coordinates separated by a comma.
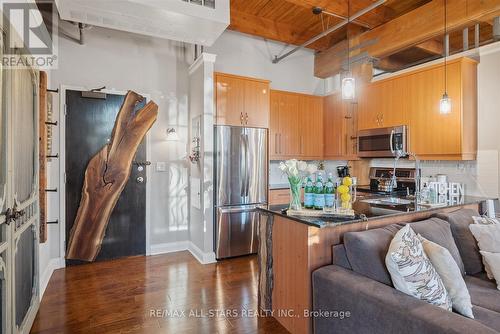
[(377, 308)]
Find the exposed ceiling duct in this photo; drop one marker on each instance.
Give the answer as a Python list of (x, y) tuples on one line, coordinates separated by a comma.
[(171, 19)]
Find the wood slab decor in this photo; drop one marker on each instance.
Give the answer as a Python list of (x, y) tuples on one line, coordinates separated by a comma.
[(42, 153), (105, 177)]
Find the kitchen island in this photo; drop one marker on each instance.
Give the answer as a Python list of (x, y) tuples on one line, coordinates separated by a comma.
[(292, 247)]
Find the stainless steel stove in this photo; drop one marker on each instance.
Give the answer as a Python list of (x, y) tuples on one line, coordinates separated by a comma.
[(380, 179)]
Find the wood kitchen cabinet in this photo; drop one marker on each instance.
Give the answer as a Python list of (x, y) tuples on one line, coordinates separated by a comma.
[(340, 128), (379, 105), (296, 129), (241, 101), (412, 99), (436, 136)]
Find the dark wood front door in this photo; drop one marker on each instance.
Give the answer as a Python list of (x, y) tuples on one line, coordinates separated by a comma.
[(89, 124)]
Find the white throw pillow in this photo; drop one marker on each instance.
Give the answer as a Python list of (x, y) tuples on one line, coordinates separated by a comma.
[(493, 261), (487, 236), (488, 240), (412, 272), (451, 275)]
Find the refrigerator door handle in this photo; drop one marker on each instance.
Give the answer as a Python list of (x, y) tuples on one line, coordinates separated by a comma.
[(242, 208), (243, 165), (247, 164)]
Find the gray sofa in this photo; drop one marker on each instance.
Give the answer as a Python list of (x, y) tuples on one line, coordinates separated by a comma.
[(359, 287)]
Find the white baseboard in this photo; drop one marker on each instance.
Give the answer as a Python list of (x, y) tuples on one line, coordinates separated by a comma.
[(170, 247), (202, 257), (53, 264)]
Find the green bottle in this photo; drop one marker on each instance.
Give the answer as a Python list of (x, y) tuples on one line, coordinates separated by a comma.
[(309, 194), (329, 192), (319, 195)]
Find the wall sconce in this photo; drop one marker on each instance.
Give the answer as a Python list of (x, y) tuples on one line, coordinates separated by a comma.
[(172, 135)]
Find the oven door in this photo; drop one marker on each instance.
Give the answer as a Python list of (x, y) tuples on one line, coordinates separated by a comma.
[(383, 142)]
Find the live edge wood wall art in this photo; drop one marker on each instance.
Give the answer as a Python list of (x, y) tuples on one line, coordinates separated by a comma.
[(105, 177), (42, 153)]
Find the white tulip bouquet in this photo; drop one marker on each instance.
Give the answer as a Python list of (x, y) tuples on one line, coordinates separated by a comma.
[(294, 169)]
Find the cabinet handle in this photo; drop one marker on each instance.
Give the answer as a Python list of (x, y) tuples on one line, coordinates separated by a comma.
[(276, 143), (280, 144), (381, 119), (246, 118), (241, 118), (301, 150)]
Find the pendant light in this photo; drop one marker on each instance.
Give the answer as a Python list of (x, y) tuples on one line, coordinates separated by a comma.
[(445, 102), (348, 82)]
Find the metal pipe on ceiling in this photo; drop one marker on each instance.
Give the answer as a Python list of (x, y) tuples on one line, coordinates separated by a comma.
[(356, 15)]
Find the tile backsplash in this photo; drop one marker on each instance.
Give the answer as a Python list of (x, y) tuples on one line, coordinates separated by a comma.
[(276, 176), (480, 177)]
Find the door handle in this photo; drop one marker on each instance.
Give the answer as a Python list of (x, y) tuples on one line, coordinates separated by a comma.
[(140, 179), (142, 163)]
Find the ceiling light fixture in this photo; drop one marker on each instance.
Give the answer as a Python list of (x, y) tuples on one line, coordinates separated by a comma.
[(348, 82), (445, 102)]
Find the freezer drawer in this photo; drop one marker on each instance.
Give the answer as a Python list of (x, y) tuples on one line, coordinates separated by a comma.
[(236, 231)]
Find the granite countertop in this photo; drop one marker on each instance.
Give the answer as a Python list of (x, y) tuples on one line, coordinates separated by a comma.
[(367, 211)]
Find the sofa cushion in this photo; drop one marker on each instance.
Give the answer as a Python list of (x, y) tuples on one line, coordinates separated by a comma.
[(366, 251), (483, 293), (439, 232), (340, 257), (487, 317), (459, 222)]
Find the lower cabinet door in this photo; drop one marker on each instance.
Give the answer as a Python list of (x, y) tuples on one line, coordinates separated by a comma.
[(236, 231)]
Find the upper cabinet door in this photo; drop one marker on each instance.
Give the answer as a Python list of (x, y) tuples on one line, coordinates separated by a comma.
[(433, 133), (311, 126), (288, 116), (241, 101), (256, 103), (230, 103), (380, 105), (334, 127)]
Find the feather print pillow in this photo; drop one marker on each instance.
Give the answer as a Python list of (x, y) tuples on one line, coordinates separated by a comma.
[(412, 272)]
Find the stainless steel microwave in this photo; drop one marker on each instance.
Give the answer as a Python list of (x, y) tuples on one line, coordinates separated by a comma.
[(382, 142)]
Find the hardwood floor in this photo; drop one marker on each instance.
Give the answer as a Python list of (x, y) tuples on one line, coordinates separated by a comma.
[(134, 295)]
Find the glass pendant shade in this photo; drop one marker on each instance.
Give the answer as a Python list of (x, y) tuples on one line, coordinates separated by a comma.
[(348, 88), (445, 104)]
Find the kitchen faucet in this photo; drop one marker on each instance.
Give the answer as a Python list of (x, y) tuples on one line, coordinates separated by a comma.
[(394, 184)]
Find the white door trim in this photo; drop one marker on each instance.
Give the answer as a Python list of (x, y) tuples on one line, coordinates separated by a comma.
[(62, 168)]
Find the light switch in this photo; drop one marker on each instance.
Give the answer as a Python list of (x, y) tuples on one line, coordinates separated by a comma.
[(161, 166)]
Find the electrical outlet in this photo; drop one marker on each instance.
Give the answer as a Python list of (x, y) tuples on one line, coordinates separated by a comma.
[(161, 166)]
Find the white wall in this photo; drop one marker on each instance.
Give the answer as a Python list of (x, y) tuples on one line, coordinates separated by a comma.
[(201, 114), (157, 67), (251, 56)]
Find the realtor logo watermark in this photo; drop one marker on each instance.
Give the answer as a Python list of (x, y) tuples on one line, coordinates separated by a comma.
[(29, 41)]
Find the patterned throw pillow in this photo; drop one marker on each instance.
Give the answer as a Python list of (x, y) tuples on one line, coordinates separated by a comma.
[(484, 220), (412, 272)]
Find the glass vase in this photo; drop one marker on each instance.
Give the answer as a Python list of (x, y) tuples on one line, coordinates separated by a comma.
[(295, 190)]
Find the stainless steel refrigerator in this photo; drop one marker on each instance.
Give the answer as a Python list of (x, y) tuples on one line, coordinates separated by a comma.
[(241, 172)]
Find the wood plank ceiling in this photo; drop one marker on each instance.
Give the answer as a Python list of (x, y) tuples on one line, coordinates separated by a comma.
[(293, 22)]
